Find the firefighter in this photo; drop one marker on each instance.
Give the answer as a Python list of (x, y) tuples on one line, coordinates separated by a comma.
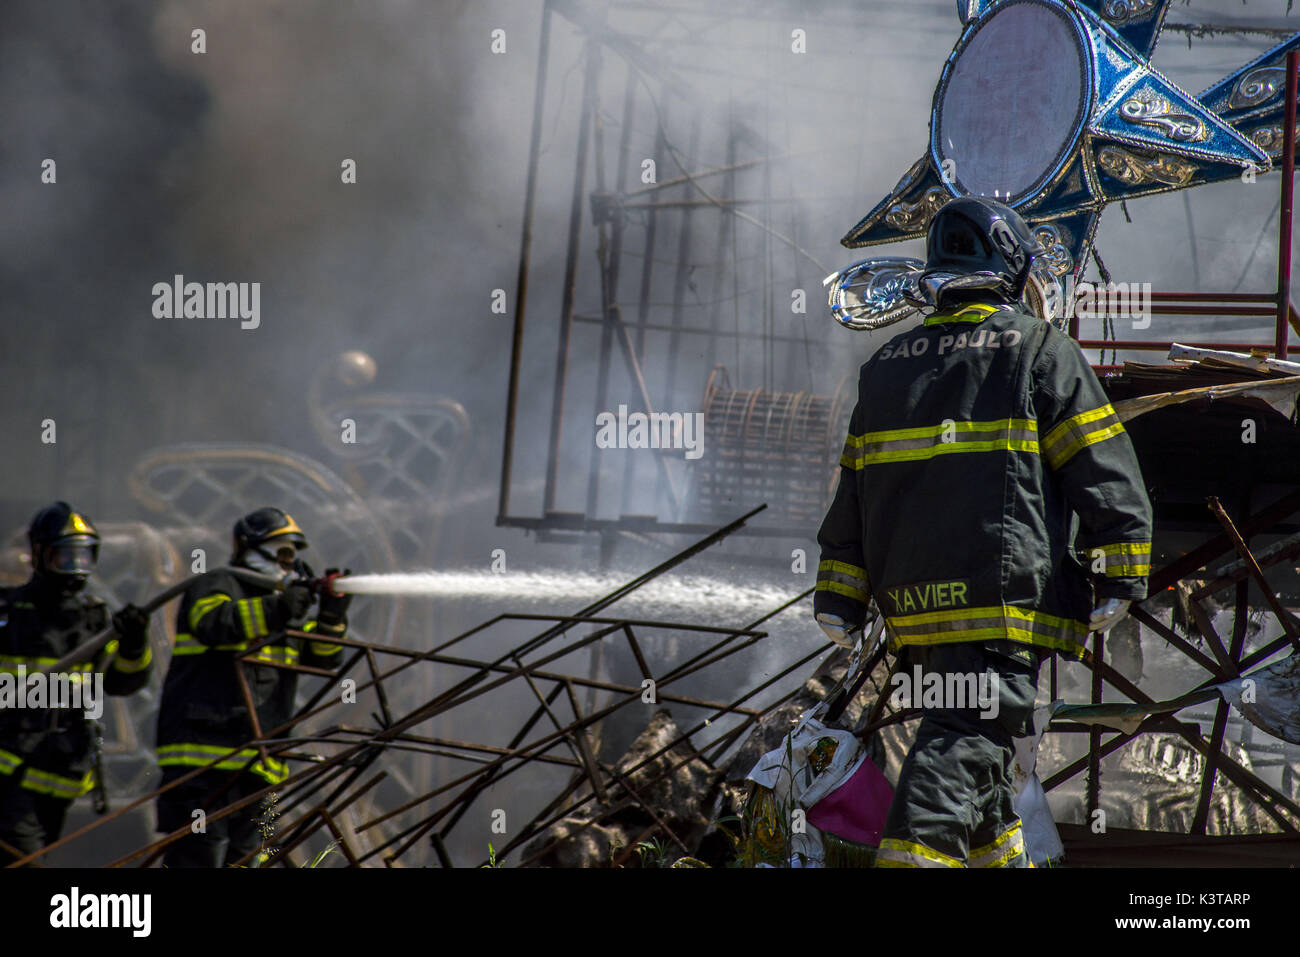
[(203, 714), (48, 745), (985, 479)]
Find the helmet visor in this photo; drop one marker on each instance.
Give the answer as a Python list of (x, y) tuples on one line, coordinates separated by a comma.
[(958, 242), (71, 558)]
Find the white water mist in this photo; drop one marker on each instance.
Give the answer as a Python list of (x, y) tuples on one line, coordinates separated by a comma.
[(701, 598)]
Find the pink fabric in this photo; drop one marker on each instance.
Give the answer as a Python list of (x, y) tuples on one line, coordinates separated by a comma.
[(856, 810)]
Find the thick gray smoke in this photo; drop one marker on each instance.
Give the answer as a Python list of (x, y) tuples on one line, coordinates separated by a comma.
[(225, 166)]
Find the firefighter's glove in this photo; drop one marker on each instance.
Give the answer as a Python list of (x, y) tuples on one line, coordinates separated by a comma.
[(333, 606), (837, 630), (132, 627), (1108, 613), (295, 600)]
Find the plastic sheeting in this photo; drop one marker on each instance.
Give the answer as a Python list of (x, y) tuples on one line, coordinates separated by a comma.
[(1042, 842)]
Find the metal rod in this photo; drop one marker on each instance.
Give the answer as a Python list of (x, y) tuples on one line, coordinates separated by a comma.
[(609, 599), (606, 299), (570, 279), (1151, 345), (1201, 817), (590, 682), (1094, 734), (1212, 548), (683, 737), (580, 739), (1168, 634), (1235, 773), (514, 744), (550, 740), (1286, 208), (1253, 566), (379, 687), (643, 301), (1206, 627), (525, 250)]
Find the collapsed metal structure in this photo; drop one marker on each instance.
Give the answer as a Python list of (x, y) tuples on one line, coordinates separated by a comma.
[(338, 772), (338, 766)]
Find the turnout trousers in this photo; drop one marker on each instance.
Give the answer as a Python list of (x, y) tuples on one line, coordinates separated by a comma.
[(28, 821), (213, 843), (953, 803)]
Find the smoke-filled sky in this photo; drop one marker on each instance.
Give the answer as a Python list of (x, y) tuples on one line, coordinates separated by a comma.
[(225, 166)]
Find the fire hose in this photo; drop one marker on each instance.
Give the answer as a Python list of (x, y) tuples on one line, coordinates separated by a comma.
[(88, 649)]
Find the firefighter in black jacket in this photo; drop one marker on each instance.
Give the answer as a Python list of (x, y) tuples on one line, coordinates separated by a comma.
[(203, 714), (984, 480), (47, 749)]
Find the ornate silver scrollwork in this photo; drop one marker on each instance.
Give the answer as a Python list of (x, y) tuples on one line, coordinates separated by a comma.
[(1258, 86), (1271, 139), (908, 217), (1137, 170), (1127, 11), (873, 293), (1148, 108), (1056, 252)]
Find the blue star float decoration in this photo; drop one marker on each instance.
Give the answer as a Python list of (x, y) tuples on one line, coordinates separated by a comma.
[(1053, 107)]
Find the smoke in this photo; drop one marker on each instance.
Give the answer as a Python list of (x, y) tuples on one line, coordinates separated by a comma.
[(225, 166)]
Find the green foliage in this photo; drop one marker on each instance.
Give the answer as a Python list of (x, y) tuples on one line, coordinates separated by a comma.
[(652, 852), (331, 848)]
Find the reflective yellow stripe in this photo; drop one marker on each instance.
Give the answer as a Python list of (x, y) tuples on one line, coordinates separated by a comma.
[(844, 568), (1127, 559), (925, 442), (9, 761), (272, 771), (841, 578), (130, 666), (995, 622), (1006, 846), (205, 605), (189, 645), (1078, 432), (201, 755), (253, 617), (896, 853), (9, 664), (246, 618), (976, 312), (259, 613), (848, 591), (279, 654), (56, 785), (1007, 856), (322, 648)]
